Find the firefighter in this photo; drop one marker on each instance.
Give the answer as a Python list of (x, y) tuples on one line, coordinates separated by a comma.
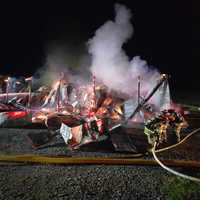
[(163, 131), (177, 122), (156, 129)]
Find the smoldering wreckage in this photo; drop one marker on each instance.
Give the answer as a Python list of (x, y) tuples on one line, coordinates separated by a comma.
[(120, 93), (87, 113)]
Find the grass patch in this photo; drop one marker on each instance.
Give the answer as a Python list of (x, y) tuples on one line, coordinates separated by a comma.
[(178, 189)]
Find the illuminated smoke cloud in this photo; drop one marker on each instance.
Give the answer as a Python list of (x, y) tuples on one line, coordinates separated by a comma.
[(61, 60), (111, 65), (109, 62)]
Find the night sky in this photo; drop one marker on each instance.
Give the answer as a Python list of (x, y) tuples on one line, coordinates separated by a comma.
[(167, 34)]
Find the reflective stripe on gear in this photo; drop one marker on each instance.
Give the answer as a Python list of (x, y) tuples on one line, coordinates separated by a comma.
[(148, 131)]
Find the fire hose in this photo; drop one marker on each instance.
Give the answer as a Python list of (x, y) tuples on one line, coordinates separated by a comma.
[(30, 158), (177, 144), (171, 170), (166, 148), (122, 160), (154, 151)]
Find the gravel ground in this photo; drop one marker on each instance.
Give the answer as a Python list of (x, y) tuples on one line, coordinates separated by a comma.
[(85, 181), (15, 141), (81, 182)]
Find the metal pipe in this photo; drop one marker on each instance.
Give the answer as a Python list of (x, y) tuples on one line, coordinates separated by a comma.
[(58, 97), (7, 87), (29, 92), (163, 78), (14, 94), (94, 91), (138, 90)]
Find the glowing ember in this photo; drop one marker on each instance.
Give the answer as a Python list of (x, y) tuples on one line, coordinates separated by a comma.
[(39, 117), (91, 114), (17, 114)]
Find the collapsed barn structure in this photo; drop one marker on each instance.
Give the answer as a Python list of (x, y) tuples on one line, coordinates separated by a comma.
[(80, 113)]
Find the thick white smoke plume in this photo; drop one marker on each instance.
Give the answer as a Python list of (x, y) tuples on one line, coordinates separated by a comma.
[(109, 62), (111, 65)]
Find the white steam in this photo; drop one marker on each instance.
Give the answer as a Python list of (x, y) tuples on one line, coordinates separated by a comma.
[(111, 65)]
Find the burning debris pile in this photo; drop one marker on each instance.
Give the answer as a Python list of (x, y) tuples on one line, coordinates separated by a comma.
[(119, 92), (81, 113)]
